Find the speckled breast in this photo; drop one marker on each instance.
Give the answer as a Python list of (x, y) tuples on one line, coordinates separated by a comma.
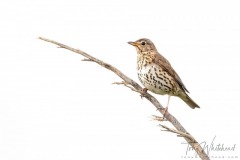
[(156, 80)]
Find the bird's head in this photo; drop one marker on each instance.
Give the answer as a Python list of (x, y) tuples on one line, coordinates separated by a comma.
[(143, 45)]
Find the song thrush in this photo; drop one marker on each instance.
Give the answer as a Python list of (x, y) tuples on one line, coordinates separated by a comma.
[(157, 74)]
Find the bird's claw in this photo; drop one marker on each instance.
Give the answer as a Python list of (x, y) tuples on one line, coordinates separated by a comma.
[(143, 92)]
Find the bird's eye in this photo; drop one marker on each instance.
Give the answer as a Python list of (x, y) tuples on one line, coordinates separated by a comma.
[(143, 43)]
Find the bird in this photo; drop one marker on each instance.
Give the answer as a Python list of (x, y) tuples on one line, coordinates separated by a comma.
[(157, 75)]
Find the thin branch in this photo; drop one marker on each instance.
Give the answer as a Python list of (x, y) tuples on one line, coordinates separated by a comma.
[(126, 85), (87, 59), (157, 118), (142, 93), (129, 82), (179, 134)]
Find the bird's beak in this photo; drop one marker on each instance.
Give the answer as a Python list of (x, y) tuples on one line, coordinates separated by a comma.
[(133, 43)]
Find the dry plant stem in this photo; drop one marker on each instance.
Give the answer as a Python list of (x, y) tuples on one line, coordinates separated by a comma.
[(179, 134), (125, 84), (157, 118), (142, 93), (127, 81)]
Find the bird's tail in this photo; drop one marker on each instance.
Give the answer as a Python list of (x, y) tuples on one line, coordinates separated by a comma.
[(188, 100)]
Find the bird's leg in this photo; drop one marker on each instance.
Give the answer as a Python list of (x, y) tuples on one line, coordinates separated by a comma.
[(166, 109)]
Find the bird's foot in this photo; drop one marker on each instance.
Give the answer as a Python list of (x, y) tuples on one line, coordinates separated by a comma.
[(143, 92)]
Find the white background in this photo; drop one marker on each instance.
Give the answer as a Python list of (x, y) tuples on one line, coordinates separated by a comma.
[(54, 106)]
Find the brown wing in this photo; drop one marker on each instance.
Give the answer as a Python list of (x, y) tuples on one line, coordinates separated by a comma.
[(163, 62)]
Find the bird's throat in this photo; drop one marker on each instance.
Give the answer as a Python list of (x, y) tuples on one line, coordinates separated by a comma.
[(143, 60)]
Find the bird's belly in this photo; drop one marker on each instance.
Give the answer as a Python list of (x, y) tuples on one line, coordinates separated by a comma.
[(156, 80)]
